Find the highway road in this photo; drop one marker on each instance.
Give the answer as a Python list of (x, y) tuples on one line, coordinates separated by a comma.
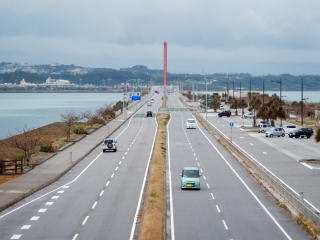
[(97, 199), (230, 204), (279, 155)]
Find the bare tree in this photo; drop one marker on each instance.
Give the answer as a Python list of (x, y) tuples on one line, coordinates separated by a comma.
[(27, 141), (70, 119), (106, 112), (93, 118)]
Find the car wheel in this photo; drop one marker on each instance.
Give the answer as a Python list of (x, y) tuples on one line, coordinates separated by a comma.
[(271, 135), (283, 135), (103, 150), (115, 150)]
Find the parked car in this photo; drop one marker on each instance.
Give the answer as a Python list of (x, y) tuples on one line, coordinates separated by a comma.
[(226, 113), (289, 128), (301, 132), (190, 178), (260, 122), (248, 115), (149, 113), (264, 127), (152, 100), (191, 123), (149, 104), (275, 132), (109, 145)]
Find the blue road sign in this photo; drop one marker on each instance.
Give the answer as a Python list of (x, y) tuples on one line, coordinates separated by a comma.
[(134, 96), (231, 124)]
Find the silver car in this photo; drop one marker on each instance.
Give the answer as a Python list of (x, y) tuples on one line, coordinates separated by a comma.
[(278, 132)]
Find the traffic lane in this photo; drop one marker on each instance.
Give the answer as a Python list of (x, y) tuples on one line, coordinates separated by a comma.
[(240, 209), (194, 215), (115, 211), (293, 174), (22, 217)]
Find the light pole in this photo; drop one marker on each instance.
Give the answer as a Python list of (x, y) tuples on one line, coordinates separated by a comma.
[(302, 99)]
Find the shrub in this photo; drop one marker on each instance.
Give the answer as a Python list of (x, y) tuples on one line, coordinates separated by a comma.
[(47, 148), (79, 129)]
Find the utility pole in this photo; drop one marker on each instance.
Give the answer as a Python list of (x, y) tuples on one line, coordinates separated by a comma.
[(263, 92), (233, 89), (250, 90), (206, 98), (302, 101)]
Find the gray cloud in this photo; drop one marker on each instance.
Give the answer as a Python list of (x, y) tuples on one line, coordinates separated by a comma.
[(214, 36)]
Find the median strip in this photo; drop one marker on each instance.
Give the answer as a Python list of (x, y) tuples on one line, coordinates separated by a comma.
[(153, 213)]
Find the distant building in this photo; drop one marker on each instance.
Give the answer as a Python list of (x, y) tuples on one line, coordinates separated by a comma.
[(24, 83), (56, 83)]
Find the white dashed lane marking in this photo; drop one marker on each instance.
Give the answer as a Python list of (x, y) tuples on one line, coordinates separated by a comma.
[(49, 203), (225, 224), (251, 144), (204, 177), (208, 186), (125, 153), (116, 169), (75, 236), (265, 153), (120, 162), (42, 210), (101, 193), (218, 209), (107, 183), (112, 175), (61, 191), (16, 236), (122, 157), (94, 205), (35, 218), (212, 196), (85, 220), (54, 197), (25, 227)]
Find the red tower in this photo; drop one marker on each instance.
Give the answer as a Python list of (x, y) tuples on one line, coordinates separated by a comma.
[(165, 64)]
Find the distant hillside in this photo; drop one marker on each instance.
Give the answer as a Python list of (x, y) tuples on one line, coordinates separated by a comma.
[(14, 73)]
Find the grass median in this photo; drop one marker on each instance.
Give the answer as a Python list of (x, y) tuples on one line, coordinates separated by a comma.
[(153, 214)]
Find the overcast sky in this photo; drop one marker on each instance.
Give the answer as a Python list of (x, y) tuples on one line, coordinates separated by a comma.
[(258, 37)]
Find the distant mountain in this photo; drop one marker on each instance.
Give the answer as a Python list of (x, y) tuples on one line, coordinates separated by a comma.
[(15, 72)]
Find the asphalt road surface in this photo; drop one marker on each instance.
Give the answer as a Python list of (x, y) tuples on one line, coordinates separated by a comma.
[(97, 199), (230, 204)]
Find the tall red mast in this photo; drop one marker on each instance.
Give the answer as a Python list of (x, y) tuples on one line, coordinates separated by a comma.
[(165, 64)]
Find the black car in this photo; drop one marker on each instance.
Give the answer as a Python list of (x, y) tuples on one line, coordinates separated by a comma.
[(149, 114), (224, 113), (301, 132)]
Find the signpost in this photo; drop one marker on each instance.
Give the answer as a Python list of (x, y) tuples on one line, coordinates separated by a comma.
[(134, 96), (231, 124)]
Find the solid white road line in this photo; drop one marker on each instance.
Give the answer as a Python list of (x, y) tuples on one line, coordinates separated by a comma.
[(25, 227), (34, 218), (170, 183), (133, 228), (16, 236), (94, 205), (42, 210), (75, 236), (85, 220), (247, 187)]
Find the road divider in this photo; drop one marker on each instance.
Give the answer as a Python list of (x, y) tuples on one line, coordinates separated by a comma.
[(153, 212)]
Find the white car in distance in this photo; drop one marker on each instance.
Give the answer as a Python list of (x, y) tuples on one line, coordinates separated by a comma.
[(191, 123)]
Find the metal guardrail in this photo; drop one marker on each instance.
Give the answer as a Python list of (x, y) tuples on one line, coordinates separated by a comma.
[(295, 202)]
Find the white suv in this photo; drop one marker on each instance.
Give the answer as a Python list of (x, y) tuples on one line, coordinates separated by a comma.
[(191, 123), (109, 145)]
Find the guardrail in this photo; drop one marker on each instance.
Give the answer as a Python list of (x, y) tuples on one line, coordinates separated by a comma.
[(294, 201)]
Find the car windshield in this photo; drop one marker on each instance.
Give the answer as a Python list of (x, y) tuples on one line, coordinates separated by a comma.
[(108, 141), (190, 173), (191, 121)]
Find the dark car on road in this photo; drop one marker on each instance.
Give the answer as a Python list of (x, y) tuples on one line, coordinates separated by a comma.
[(301, 132), (149, 114), (226, 113)]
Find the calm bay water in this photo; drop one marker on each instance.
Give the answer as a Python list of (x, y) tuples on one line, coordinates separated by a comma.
[(312, 96), (38, 109)]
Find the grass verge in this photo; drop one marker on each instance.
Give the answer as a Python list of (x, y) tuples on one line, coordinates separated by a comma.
[(153, 214)]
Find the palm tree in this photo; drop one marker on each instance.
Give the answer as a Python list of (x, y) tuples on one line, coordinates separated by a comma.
[(254, 105), (243, 104)]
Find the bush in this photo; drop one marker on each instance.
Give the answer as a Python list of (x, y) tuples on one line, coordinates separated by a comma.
[(79, 129), (47, 148)]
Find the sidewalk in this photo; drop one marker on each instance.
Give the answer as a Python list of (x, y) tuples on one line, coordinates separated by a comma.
[(52, 169)]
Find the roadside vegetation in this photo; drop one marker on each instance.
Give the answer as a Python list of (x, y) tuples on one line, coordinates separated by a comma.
[(33, 145), (153, 213)]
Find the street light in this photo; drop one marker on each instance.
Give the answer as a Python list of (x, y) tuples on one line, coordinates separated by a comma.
[(207, 96), (302, 99)]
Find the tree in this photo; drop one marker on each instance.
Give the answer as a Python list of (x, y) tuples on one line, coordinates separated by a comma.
[(70, 119), (214, 104), (27, 141), (234, 105), (243, 104), (254, 105), (106, 112)]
